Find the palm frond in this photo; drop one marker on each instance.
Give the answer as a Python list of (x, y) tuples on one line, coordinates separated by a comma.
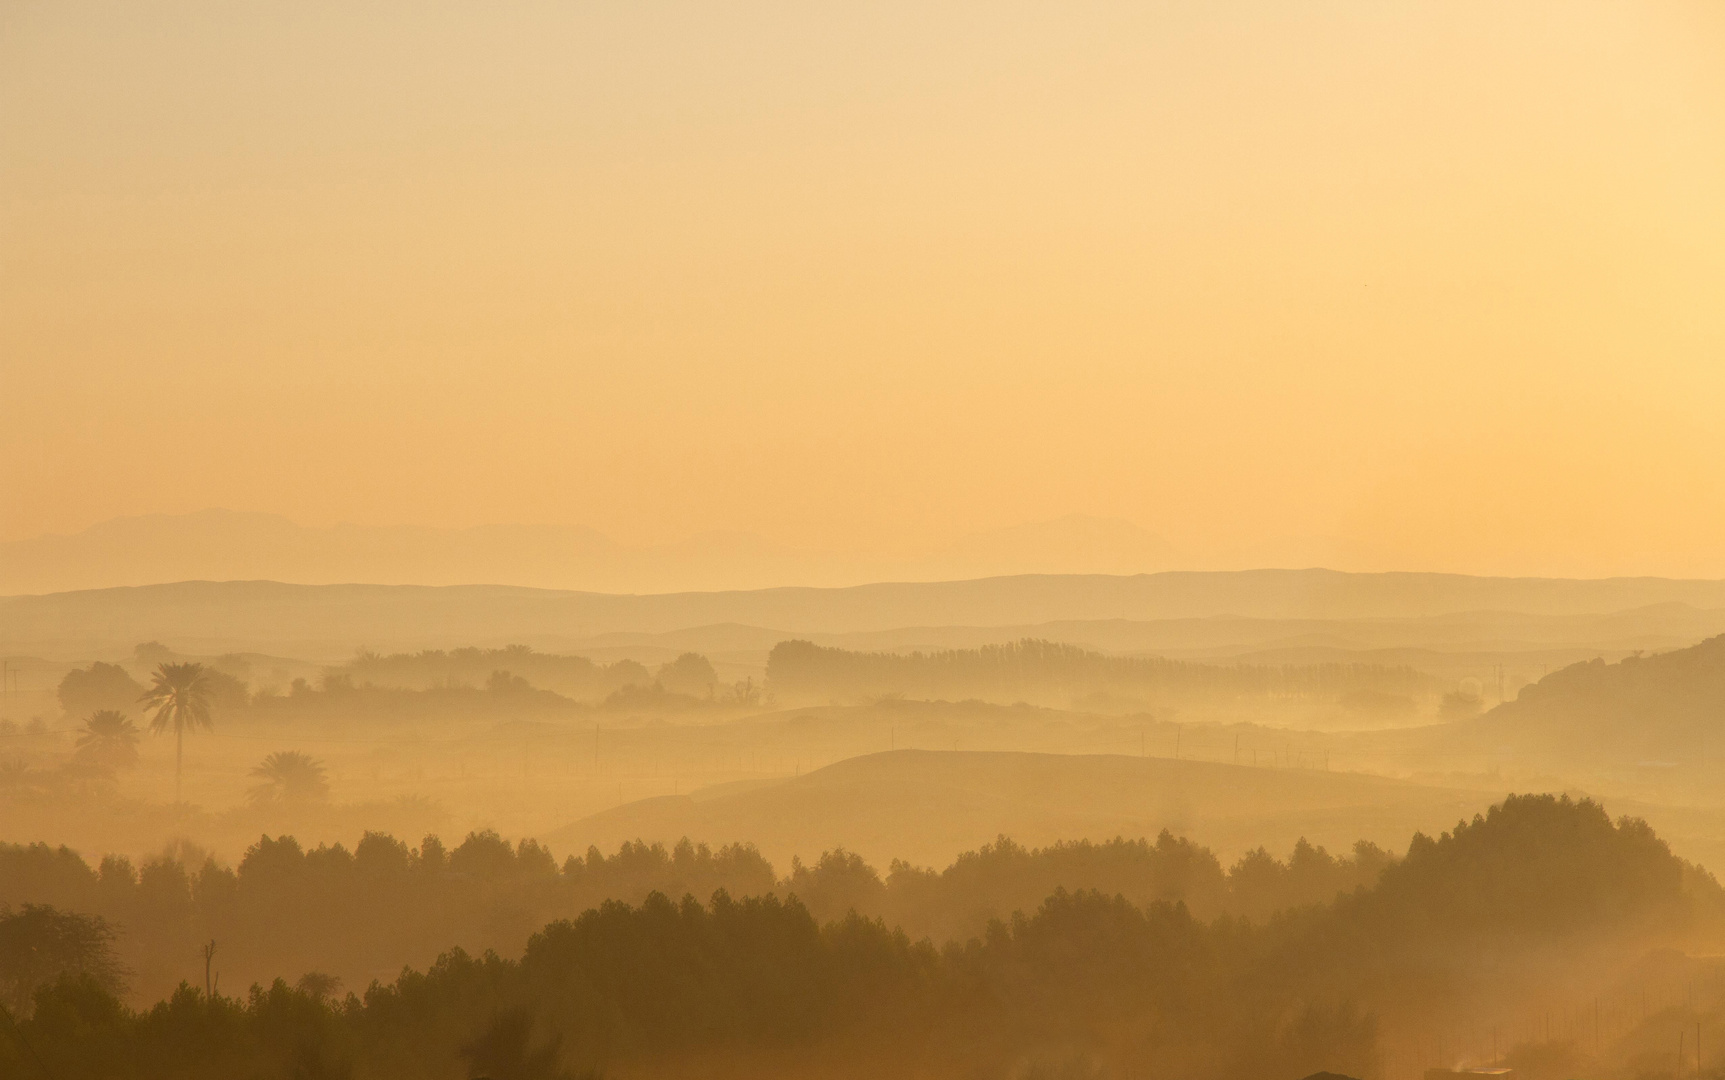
[(180, 697)]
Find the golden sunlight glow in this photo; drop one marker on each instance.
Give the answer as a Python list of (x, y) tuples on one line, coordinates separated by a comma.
[(1414, 286)]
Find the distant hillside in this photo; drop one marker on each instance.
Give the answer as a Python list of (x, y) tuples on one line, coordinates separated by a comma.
[(927, 807), (1653, 627), (223, 545), (1033, 670), (335, 619), (1656, 714), (1510, 648), (228, 545)]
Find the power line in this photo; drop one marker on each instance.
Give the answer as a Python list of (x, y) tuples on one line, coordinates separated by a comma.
[(18, 1034)]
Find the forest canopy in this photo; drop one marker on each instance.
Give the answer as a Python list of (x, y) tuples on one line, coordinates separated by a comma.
[(1538, 886)]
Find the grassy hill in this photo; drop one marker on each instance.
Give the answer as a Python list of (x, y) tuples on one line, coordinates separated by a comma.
[(1656, 722), (928, 806)]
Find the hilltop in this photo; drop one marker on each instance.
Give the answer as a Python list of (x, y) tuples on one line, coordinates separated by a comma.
[(927, 806), (1661, 713)]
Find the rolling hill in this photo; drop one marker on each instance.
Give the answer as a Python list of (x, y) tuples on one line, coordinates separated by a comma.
[(1661, 716), (928, 806)]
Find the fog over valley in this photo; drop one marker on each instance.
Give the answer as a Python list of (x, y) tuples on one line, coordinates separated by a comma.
[(1148, 741), (944, 540)]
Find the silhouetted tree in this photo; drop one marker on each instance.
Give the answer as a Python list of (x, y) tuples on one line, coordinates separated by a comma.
[(98, 687), (108, 738), (180, 698), (746, 693), (227, 691), (840, 882), (317, 985), (690, 673), (290, 778), (502, 682), (39, 944)]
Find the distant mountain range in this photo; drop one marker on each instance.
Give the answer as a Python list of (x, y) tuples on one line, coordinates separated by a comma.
[(332, 620), (225, 545)]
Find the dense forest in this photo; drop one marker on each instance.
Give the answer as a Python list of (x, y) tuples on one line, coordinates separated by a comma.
[(1031, 670), (1538, 894), (404, 905)]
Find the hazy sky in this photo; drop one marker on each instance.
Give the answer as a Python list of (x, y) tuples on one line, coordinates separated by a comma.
[(1444, 282)]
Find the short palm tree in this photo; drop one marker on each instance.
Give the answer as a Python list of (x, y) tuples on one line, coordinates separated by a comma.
[(180, 697), (109, 738), (290, 777)]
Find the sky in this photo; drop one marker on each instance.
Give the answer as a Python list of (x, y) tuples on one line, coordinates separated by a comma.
[(1420, 286)]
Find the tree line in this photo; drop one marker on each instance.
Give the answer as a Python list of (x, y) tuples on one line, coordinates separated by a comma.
[(1031, 669), (556, 680), (577, 677), (402, 905), (184, 697), (1092, 983)]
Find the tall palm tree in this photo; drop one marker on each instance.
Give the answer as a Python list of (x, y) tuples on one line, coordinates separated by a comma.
[(109, 738), (291, 778), (180, 697)]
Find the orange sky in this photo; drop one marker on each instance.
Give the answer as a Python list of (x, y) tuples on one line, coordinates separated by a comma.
[(1443, 284)]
